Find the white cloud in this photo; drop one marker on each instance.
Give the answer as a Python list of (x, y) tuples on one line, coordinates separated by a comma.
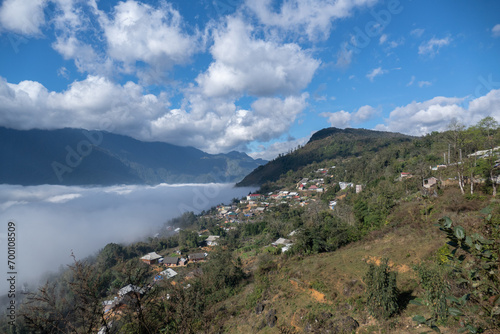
[(214, 124), (495, 31), (245, 64), (309, 17), (375, 72), (84, 104), (343, 119), (424, 83), (419, 118), (340, 119), (23, 16), (272, 151), (383, 39), (433, 46), (417, 32), (364, 113), (137, 32), (98, 216), (133, 38)]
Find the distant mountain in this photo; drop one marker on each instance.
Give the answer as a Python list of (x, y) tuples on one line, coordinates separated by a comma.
[(329, 143), (81, 157)]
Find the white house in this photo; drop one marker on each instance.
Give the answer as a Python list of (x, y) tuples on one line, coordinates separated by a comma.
[(212, 240)]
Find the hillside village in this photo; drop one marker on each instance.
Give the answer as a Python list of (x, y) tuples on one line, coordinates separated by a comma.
[(294, 256), (249, 210)]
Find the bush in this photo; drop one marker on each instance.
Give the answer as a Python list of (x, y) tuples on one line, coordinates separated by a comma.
[(435, 286), (382, 292)]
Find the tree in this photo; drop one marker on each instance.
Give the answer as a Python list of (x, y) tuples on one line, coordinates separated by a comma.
[(456, 135), (52, 309), (489, 126)]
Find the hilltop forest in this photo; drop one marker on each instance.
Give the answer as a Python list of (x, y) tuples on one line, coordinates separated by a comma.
[(357, 231)]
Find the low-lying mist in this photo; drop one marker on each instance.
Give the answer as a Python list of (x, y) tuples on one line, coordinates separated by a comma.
[(52, 221)]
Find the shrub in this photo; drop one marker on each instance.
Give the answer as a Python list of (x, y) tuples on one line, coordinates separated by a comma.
[(381, 289)]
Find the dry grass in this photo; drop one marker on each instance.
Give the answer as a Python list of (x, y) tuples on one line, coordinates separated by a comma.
[(305, 287)]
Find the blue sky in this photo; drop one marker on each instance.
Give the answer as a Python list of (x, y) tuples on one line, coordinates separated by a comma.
[(258, 76)]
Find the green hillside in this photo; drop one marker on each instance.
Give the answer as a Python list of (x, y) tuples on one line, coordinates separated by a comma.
[(391, 240), (324, 145)]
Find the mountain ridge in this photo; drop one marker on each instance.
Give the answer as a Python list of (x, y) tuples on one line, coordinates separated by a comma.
[(81, 157), (324, 144)]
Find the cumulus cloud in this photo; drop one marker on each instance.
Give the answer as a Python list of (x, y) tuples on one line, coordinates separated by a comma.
[(147, 41), (84, 104), (137, 32), (134, 38), (219, 126), (53, 221), (343, 119), (312, 18), (214, 124), (245, 64), (432, 47), (495, 31), (375, 72), (23, 17), (419, 118)]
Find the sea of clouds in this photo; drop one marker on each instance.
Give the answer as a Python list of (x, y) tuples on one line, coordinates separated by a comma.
[(53, 221)]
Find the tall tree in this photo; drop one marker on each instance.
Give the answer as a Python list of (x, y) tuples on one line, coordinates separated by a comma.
[(489, 128)]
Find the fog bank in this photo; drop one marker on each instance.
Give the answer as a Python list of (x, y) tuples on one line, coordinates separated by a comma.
[(51, 221)]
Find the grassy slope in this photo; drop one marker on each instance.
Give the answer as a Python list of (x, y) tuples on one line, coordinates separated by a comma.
[(333, 282)]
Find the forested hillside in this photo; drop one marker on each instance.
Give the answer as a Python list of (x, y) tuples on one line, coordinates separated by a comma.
[(381, 233), (325, 144)]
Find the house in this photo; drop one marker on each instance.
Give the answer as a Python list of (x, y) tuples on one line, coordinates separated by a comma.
[(151, 258), (171, 261), (212, 240), (254, 197), (183, 261), (281, 241), (196, 257), (359, 188), (332, 205), (430, 182), (110, 304), (285, 243), (403, 174), (344, 185), (129, 290), (313, 188), (168, 273)]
